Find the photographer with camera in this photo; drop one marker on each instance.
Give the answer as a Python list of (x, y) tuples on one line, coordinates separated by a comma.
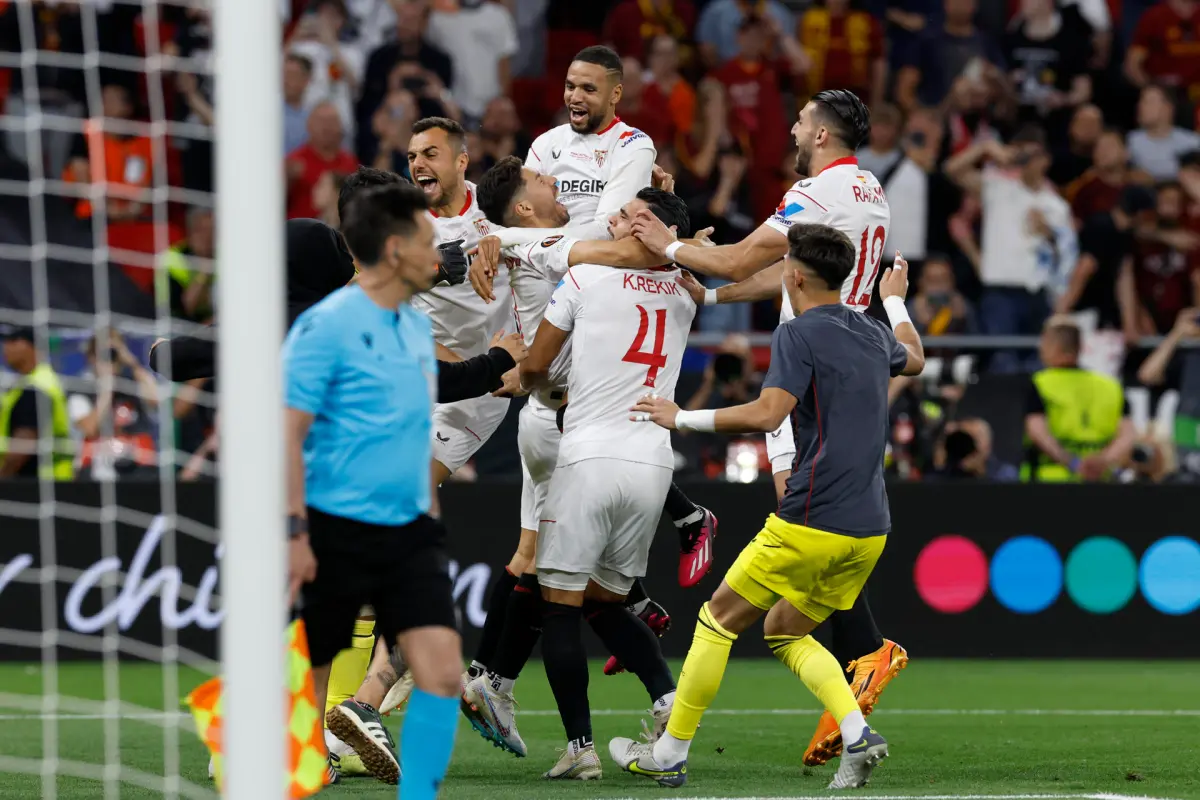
[(1168, 366), (729, 380)]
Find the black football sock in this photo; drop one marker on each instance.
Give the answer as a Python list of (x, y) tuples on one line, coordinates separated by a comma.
[(680, 509), (637, 599), (853, 631), (567, 668), (634, 645), (522, 627), (493, 626)]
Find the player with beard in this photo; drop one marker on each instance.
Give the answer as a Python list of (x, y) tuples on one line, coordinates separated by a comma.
[(600, 164), (835, 192)]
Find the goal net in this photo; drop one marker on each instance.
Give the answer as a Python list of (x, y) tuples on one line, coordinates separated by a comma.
[(126, 577)]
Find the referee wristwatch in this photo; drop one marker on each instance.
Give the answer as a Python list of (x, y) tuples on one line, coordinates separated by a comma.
[(297, 526)]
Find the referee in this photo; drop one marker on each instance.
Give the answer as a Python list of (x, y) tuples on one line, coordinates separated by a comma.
[(360, 383)]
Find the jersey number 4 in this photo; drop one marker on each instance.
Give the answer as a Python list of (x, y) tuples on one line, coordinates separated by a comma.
[(656, 359), (870, 251)]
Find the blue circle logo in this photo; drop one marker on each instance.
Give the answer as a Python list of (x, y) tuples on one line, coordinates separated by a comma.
[(1026, 574), (1170, 575)]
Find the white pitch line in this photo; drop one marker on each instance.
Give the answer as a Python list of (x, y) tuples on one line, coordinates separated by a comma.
[(945, 797), (66, 716)]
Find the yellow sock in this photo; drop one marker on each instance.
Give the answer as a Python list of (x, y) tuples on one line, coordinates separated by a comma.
[(349, 667), (816, 666), (701, 675)]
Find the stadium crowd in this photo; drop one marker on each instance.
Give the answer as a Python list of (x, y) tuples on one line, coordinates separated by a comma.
[(1041, 156)]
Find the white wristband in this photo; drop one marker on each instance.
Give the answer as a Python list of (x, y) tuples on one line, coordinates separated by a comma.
[(896, 312), (710, 297), (705, 421), (672, 249)]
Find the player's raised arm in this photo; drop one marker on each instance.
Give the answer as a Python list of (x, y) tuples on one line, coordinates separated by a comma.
[(762, 415), (909, 357), (734, 262)]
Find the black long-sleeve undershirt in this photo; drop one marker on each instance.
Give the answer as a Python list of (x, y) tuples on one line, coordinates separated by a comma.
[(192, 358)]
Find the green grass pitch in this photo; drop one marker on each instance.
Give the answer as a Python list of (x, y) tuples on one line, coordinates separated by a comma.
[(958, 729)]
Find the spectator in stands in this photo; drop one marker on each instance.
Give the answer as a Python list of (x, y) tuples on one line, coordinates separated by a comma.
[(729, 380), (634, 27), (846, 49), (500, 135), (1189, 179), (756, 116), (1164, 48), (938, 308), (667, 90), (1163, 277), (481, 38), (21, 420), (115, 417), (431, 70), (1048, 53), (297, 75), (1099, 188), (720, 25), (186, 271), (1029, 242), (322, 36), (1074, 157), (1105, 242), (901, 160), (323, 152), (392, 125), (1075, 419), (1170, 366), (1157, 144), (193, 40), (941, 53)]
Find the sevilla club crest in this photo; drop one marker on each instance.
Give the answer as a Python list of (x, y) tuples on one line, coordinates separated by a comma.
[(600, 156)]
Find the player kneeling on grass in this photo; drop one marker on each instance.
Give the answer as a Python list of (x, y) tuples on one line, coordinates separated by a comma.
[(829, 371)]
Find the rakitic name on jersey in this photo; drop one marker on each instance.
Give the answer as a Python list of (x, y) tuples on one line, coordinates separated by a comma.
[(869, 194)]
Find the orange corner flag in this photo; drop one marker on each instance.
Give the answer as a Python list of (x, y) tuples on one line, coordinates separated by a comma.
[(306, 756)]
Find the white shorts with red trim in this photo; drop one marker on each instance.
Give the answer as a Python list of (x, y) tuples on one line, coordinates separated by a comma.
[(537, 441), (781, 447), (460, 429)]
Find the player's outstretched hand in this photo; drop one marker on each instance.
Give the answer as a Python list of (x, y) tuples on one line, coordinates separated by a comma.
[(661, 179), (512, 385), (702, 235), (658, 410), (514, 343), (692, 286), (453, 269), (652, 233), (302, 566), (483, 267), (894, 282)]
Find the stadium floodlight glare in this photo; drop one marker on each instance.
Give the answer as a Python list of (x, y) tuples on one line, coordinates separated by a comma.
[(69, 298)]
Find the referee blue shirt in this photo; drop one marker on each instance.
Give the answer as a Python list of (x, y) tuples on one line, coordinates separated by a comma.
[(368, 376)]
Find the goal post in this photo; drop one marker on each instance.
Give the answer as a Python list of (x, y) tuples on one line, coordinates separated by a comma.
[(250, 242)]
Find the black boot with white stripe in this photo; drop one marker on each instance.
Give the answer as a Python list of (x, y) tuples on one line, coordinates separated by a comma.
[(359, 726)]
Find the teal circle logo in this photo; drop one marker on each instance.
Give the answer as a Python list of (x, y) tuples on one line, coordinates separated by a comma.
[(1170, 575), (1101, 575)]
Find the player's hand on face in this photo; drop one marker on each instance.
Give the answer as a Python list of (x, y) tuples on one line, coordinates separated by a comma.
[(512, 384), (661, 179), (486, 262), (692, 286), (655, 409), (702, 235), (512, 343), (652, 233), (302, 566), (894, 282)]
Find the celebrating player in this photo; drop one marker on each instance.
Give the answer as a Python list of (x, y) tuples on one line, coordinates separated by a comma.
[(628, 332), (829, 374), (839, 194)]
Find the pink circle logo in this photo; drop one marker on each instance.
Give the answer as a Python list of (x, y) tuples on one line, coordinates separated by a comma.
[(951, 574)]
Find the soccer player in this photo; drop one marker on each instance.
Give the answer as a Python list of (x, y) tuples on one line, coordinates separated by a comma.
[(829, 375), (839, 194), (360, 386), (628, 330)]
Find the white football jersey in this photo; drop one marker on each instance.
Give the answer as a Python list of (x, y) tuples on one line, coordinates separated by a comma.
[(534, 270), (461, 320), (629, 330), (597, 173), (845, 197)]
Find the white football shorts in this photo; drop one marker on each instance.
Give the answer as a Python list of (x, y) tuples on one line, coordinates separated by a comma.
[(460, 429), (781, 447), (537, 442), (599, 520)]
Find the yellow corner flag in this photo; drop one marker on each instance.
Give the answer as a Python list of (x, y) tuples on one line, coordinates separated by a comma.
[(306, 757)]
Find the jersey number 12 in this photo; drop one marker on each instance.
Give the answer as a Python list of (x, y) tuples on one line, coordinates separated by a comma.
[(656, 359)]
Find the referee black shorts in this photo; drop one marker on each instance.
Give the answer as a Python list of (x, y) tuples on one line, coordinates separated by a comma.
[(402, 571)]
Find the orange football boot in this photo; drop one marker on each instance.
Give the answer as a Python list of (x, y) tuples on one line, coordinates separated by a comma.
[(872, 673)]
